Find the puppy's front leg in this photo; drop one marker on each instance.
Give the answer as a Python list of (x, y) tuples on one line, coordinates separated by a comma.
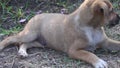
[(111, 45), (77, 53)]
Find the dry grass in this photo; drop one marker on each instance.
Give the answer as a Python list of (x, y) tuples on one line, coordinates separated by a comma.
[(44, 58)]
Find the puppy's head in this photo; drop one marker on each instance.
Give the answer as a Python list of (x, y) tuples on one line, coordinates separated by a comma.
[(97, 12)]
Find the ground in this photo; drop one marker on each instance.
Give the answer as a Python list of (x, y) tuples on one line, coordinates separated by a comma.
[(48, 58)]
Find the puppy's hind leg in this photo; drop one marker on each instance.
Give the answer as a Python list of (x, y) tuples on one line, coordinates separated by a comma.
[(23, 51), (22, 37), (23, 48)]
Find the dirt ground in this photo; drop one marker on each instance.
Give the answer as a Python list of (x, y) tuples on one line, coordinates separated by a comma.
[(48, 58)]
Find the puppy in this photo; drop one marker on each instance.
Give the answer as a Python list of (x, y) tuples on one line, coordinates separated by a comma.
[(75, 34)]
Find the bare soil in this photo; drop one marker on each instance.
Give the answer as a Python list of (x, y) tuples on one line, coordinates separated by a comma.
[(48, 58)]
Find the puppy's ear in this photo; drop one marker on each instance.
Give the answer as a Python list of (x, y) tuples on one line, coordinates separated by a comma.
[(100, 8)]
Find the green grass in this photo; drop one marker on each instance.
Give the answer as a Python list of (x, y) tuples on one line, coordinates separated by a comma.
[(69, 60), (10, 12), (13, 30)]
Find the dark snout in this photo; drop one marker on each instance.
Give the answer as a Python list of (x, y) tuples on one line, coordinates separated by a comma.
[(113, 20)]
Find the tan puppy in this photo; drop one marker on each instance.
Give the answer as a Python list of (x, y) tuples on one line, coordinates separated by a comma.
[(74, 34)]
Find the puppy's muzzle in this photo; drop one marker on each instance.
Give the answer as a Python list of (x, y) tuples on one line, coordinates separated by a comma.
[(113, 20)]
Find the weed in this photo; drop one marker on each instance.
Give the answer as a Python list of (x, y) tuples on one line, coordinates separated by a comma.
[(13, 30), (14, 10)]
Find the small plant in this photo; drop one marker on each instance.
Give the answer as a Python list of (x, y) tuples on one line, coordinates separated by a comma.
[(13, 13), (13, 30)]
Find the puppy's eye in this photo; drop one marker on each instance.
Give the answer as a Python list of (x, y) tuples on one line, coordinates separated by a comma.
[(101, 10)]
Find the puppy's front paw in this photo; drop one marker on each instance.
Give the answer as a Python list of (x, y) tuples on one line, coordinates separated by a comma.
[(101, 64)]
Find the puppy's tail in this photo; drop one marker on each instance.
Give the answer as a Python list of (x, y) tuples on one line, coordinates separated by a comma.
[(8, 41)]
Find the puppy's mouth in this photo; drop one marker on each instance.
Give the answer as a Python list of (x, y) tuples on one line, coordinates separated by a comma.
[(113, 20)]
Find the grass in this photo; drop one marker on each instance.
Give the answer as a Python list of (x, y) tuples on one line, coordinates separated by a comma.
[(16, 13), (11, 14), (67, 60), (13, 30)]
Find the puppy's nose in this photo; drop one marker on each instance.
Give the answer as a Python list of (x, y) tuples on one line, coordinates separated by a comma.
[(114, 20)]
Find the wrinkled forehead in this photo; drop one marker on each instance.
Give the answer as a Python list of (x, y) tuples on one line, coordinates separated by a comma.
[(109, 4)]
